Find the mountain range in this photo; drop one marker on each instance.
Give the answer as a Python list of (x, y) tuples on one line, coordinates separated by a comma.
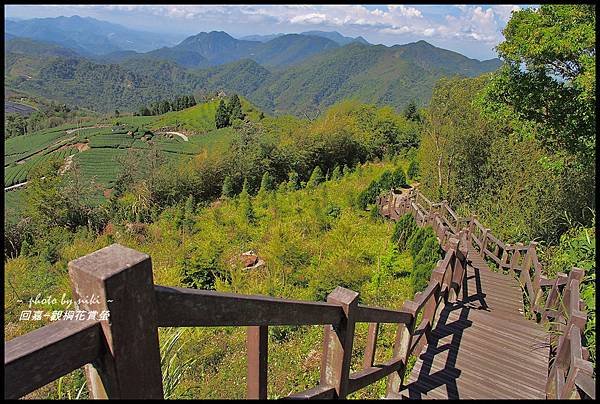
[(290, 73), (88, 36)]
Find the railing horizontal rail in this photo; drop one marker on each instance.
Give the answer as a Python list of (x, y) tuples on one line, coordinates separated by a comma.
[(43, 355), (427, 294), (319, 392), (367, 376), (378, 315), (181, 307)]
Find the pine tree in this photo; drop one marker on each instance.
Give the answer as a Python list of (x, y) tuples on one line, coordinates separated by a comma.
[(293, 183), (267, 184), (235, 108), (227, 191), (221, 116), (188, 215), (315, 178), (246, 204), (337, 173)]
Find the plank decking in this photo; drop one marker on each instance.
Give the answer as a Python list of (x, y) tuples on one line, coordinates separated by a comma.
[(482, 346)]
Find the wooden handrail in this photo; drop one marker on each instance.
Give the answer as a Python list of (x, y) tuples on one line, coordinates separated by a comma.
[(184, 307), (41, 356), (122, 358), (521, 261)]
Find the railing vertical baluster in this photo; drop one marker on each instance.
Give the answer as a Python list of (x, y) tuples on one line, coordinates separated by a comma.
[(401, 350), (257, 343), (371, 345), (119, 279), (484, 240), (338, 341)]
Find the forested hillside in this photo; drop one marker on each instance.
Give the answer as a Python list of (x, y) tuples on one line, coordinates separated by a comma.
[(374, 74)]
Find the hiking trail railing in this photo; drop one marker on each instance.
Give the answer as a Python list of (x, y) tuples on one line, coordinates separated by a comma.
[(571, 375), (121, 354)]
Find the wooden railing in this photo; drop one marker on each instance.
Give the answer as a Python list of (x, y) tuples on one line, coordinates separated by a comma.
[(570, 372), (122, 357)]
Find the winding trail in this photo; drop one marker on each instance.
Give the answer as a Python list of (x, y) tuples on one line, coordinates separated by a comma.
[(181, 135)]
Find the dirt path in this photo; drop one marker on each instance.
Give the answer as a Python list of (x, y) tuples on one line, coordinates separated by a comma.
[(15, 186), (69, 131), (181, 135)]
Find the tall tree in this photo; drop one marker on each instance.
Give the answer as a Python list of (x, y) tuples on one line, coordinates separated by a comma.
[(235, 108), (222, 116), (549, 73)]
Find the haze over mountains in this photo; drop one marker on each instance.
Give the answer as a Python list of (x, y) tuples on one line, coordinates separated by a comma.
[(105, 66)]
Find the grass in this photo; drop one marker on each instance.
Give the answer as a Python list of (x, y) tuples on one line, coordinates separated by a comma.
[(200, 118), (307, 252)]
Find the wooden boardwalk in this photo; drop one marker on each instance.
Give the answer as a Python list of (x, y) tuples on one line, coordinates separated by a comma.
[(482, 346)]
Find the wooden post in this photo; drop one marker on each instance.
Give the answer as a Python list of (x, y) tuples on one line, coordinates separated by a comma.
[(504, 259), (371, 345), (337, 343), (257, 339), (484, 240), (402, 348), (119, 280)]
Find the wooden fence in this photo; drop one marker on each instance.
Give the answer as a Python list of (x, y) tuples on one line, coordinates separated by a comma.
[(122, 358), (554, 302), (121, 355)]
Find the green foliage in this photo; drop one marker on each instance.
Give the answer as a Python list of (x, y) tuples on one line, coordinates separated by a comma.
[(246, 204), (227, 190), (413, 170), (199, 268), (416, 242), (293, 183), (337, 173), (398, 178), (556, 89), (173, 369), (234, 108), (420, 275), (221, 116), (267, 183), (388, 180), (403, 230), (577, 248), (315, 178)]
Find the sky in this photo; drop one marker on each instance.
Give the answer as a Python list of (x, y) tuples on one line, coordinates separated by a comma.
[(473, 30)]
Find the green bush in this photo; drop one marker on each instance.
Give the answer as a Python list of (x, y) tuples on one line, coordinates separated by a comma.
[(398, 178), (413, 170), (403, 230), (368, 195), (417, 240), (199, 269), (429, 253), (420, 276)]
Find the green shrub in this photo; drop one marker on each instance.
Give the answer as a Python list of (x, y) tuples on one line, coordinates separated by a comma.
[(368, 195), (403, 230), (199, 269), (315, 178), (398, 178), (430, 252), (420, 275), (417, 240), (386, 181), (413, 170)]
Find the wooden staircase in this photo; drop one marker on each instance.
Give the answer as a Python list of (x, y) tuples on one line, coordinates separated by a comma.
[(482, 346)]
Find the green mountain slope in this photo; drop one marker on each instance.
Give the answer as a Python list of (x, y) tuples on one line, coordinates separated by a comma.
[(370, 73)]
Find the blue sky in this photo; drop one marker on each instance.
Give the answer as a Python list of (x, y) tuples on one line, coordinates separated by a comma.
[(473, 30)]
